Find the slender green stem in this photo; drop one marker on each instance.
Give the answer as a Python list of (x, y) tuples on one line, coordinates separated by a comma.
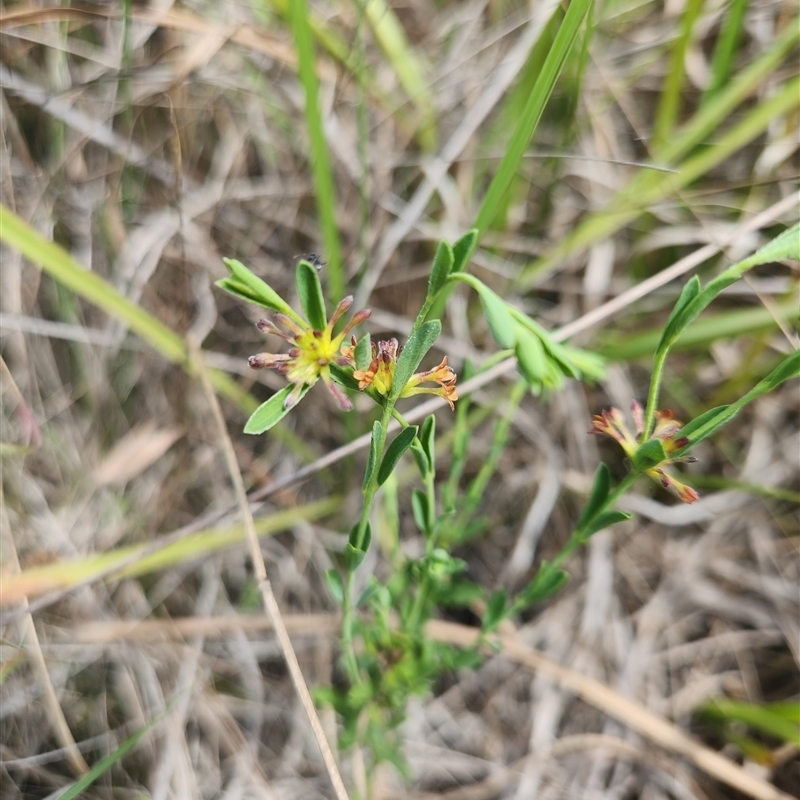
[(578, 538), (348, 607)]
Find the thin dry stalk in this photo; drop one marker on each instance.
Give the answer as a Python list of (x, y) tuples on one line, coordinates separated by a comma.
[(264, 585), (34, 649), (632, 714)]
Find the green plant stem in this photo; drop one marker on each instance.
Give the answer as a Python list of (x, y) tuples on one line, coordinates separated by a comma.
[(348, 608), (578, 537)]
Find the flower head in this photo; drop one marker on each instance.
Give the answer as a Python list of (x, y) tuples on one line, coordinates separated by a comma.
[(379, 374), (312, 352), (667, 431)]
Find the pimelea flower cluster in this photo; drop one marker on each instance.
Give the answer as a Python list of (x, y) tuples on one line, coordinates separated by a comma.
[(667, 431)]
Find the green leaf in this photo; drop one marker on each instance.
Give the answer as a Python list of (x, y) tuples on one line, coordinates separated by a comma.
[(508, 169), (103, 766), (601, 486), (786, 245), (495, 610), (320, 160), (334, 581), (779, 720), (463, 249), (343, 378), (675, 323), (354, 550), (395, 451), (75, 277), (309, 290), (690, 427), (789, 368), (419, 505), (363, 352), (420, 341), (427, 438), (442, 266), (530, 356), (547, 581), (353, 556), (605, 520), (368, 593), (251, 288), (272, 412), (498, 316), (420, 457), (372, 459), (649, 455)]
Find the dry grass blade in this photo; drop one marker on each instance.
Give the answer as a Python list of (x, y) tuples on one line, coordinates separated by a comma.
[(30, 642), (632, 714), (264, 585)]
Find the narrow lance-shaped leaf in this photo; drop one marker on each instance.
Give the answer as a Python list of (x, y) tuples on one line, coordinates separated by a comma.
[(442, 266), (372, 458), (601, 486), (675, 322), (498, 316), (309, 290), (547, 581), (530, 356), (335, 587), (251, 288), (789, 368), (395, 451), (495, 610), (417, 346), (419, 505), (428, 439), (80, 786), (786, 245), (463, 249), (603, 521), (271, 412)]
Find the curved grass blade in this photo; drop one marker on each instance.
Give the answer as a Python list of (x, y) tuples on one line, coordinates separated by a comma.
[(323, 177), (103, 766), (60, 265), (531, 114)]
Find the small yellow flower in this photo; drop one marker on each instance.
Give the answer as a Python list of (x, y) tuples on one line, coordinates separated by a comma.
[(311, 354), (667, 429), (380, 374)]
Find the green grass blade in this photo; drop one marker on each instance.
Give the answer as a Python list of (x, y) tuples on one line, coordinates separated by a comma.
[(703, 331), (646, 189), (60, 265), (670, 103), (408, 66), (323, 177), (725, 49), (132, 561), (542, 89), (103, 766)]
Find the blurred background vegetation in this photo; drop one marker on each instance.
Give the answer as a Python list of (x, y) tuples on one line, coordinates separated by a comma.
[(149, 141)]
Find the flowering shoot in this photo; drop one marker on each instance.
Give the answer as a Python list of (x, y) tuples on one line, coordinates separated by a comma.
[(667, 433), (311, 352)]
